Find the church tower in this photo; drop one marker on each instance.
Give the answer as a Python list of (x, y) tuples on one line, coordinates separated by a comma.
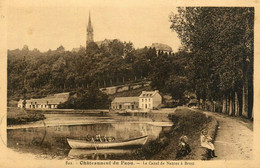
[(90, 35)]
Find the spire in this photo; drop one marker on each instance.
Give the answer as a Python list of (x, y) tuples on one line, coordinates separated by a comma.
[(89, 28), (90, 35)]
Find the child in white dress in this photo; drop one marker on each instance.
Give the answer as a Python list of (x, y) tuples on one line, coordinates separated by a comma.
[(206, 142)]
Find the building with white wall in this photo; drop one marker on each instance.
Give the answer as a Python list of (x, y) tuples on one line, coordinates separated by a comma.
[(150, 99), (49, 102)]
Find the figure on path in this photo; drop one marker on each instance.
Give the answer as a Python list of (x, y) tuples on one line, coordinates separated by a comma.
[(206, 142)]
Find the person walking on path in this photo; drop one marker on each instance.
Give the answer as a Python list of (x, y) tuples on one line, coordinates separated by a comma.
[(206, 142)]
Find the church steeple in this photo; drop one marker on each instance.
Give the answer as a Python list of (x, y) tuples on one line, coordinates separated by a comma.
[(90, 35)]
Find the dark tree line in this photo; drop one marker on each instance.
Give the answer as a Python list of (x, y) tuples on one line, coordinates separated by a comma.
[(220, 44), (56, 71)]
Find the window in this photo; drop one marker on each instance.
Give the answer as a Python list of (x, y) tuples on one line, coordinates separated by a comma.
[(149, 100), (142, 100)]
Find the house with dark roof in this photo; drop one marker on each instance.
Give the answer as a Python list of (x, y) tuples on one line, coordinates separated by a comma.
[(161, 48)]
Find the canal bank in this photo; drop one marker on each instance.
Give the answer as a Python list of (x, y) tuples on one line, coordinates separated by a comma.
[(163, 143), (16, 116), (187, 122)]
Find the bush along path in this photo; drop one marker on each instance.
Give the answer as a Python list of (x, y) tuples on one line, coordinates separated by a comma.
[(234, 139)]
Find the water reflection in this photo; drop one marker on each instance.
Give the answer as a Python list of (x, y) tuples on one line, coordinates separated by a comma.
[(51, 140)]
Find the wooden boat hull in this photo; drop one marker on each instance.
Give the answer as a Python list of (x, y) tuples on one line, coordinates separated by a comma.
[(82, 144)]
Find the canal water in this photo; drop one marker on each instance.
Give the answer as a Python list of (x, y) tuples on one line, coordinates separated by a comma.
[(47, 138)]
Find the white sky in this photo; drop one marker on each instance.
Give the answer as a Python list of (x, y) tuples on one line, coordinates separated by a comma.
[(49, 25)]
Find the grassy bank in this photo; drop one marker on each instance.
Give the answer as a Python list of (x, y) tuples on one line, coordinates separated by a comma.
[(186, 122), (20, 116)]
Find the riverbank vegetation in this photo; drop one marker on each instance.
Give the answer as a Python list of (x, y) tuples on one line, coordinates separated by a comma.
[(20, 116), (186, 122)]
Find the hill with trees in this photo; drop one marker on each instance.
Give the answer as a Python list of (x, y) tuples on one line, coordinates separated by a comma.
[(43, 73), (215, 63)]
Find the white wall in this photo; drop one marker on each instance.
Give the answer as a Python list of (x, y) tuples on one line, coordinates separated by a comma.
[(146, 103), (157, 100)]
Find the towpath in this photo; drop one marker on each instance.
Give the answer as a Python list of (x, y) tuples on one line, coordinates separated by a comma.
[(234, 140)]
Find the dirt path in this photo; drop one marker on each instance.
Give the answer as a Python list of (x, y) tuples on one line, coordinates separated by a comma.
[(234, 140)]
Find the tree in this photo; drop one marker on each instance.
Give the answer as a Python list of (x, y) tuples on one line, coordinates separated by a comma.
[(92, 49), (220, 40), (60, 49), (89, 99)]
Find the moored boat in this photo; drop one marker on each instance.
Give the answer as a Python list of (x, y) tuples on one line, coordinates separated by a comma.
[(82, 144)]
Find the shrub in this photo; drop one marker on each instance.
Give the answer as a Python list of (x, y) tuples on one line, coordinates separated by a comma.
[(92, 98)]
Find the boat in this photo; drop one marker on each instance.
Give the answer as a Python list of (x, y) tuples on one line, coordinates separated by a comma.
[(83, 144)]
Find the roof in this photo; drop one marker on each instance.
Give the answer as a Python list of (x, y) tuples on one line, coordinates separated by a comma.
[(148, 93), (64, 95), (104, 42), (51, 99), (46, 101), (125, 99), (161, 47)]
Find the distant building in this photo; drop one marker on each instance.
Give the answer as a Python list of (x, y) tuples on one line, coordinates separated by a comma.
[(161, 48), (150, 99), (49, 102), (104, 42), (123, 103)]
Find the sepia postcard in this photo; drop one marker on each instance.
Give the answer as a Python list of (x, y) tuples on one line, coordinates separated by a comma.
[(129, 83)]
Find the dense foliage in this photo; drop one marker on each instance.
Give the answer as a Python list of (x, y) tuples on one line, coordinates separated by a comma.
[(220, 42), (91, 98), (110, 64), (59, 70)]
